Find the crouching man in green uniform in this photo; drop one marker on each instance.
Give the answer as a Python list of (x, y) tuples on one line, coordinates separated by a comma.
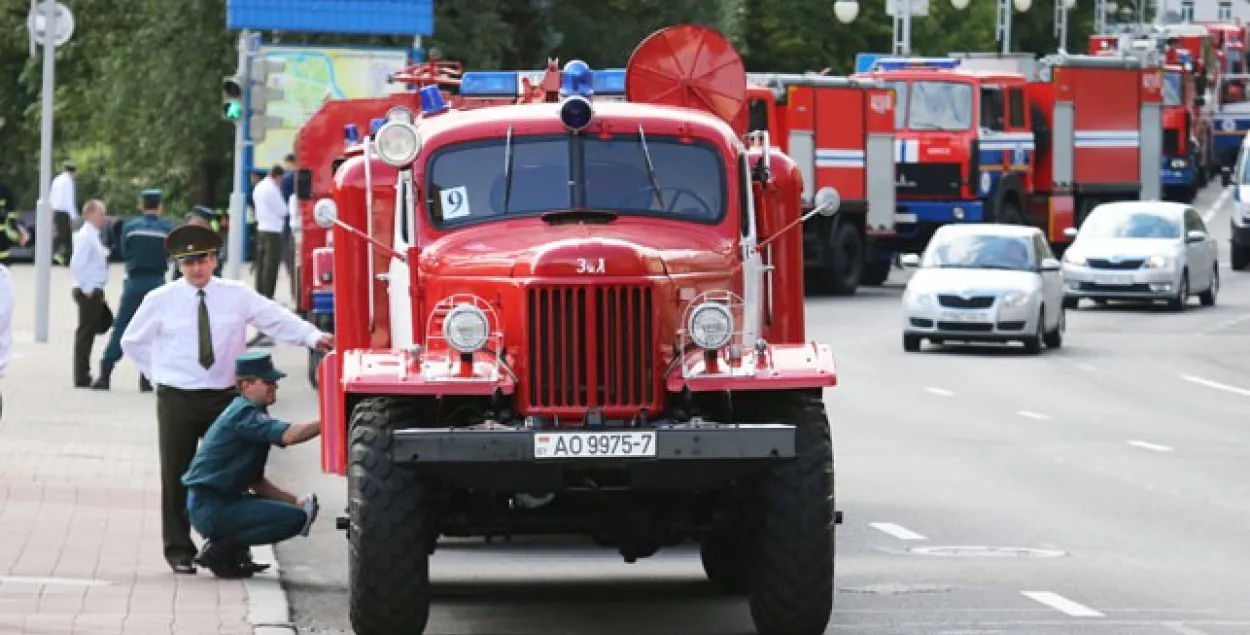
[(229, 500)]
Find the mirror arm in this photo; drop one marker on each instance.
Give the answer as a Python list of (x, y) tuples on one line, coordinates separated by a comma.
[(777, 234), (376, 243)]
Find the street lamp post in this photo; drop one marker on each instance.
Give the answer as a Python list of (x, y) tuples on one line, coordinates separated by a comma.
[(1062, 7), (1004, 19), (847, 10)]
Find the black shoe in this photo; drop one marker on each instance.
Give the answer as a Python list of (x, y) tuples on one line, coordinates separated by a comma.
[(102, 383), (246, 562), (223, 561), (144, 384), (83, 383), (183, 565)]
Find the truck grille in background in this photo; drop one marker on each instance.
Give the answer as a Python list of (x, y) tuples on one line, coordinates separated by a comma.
[(928, 179), (591, 346), (974, 302), (1171, 142), (1099, 263)]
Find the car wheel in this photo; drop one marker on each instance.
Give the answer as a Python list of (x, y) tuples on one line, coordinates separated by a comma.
[(1054, 339), (1182, 295), (1033, 345), (1208, 297)]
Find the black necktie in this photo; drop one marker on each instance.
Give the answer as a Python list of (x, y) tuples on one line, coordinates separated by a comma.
[(206, 335)]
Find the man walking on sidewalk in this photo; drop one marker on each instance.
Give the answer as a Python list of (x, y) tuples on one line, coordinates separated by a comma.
[(63, 199), (186, 336), (143, 248), (229, 499), (89, 269), (271, 214)]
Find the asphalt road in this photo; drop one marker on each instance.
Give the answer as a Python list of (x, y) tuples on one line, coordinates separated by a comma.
[(1100, 488)]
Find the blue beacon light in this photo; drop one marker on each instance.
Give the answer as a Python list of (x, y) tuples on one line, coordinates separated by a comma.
[(351, 134), (432, 102), (576, 87), (376, 124)]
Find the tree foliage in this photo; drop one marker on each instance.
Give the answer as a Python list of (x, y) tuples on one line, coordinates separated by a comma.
[(137, 87)]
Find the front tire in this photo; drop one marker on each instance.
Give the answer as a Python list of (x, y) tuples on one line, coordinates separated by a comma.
[(793, 558), (1208, 297), (390, 530)]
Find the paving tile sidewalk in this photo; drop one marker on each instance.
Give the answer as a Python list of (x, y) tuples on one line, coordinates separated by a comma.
[(80, 540)]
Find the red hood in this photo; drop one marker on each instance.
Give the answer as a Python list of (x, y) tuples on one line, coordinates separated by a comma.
[(628, 247)]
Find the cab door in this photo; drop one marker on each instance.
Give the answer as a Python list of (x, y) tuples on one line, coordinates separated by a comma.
[(398, 296)]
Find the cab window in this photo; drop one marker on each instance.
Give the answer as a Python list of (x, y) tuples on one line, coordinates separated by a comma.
[(1173, 89)]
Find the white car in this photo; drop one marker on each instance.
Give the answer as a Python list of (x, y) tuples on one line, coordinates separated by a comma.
[(985, 283), (1142, 250)]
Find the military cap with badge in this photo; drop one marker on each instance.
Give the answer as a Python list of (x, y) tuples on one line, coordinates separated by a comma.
[(192, 242)]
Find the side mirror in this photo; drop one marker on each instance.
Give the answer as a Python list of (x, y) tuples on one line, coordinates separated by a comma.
[(325, 213), (303, 184), (827, 201), (1195, 236), (909, 260), (1050, 264), (1070, 232), (1226, 177)]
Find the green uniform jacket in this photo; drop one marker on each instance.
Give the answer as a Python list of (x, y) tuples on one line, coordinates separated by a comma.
[(143, 246), (233, 454)]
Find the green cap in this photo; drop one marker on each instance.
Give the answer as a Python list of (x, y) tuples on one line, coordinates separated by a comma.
[(256, 364)]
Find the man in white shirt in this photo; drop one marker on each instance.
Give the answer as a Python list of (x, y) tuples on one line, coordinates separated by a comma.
[(63, 200), (271, 212), (6, 326), (89, 269), (186, 336)]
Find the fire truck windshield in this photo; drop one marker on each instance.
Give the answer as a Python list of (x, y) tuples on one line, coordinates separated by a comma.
[(466, 182), (1172, 89), (932, 105)]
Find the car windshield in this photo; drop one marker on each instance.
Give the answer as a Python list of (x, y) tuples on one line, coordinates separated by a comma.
[(932, 105), (1172, 88), (1130, 224), (470, 182), (972, 251)]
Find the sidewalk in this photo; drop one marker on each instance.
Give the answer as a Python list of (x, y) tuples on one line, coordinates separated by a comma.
[(80, 540)]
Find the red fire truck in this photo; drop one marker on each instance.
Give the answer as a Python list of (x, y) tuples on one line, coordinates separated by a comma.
[(580, 316), (1012, 139), (841, 133)]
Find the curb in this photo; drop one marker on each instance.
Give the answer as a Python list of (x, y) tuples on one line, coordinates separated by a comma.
[(267, 609)]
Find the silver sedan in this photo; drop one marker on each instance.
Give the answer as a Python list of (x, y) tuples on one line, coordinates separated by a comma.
[(985, 283)]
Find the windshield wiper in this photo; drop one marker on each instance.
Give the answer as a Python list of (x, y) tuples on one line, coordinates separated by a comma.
[(646, 155), (561, 216), (507, 172)]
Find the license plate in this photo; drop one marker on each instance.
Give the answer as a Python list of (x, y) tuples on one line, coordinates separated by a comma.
[(1113, 279), (957, 316), (594, 445)]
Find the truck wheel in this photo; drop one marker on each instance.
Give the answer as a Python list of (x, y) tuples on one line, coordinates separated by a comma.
[(1240, 256), (876, 273), (723, 553), (390, 531), (848, 259), (792, 586)]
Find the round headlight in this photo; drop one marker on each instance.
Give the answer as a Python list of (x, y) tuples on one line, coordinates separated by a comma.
[(401, 114), (466, 328), (711, 325), (397, 143)]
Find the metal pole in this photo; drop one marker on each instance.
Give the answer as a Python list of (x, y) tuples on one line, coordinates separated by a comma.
[(906, 28), (1006, 5), (43, 209), (238, 200)]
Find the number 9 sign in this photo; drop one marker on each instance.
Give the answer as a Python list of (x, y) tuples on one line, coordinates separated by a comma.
[(455, 202)]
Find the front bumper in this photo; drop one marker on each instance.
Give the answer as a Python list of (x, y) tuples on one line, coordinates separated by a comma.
[(1140, 284), (993, 324), (663, 456)]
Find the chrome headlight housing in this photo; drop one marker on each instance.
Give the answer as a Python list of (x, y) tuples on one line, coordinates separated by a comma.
[(398, 143), (1158, 261), (466, 328), (1074, 259), (918, 299), (711, 325)]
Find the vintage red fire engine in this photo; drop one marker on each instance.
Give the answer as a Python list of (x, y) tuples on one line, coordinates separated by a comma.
[(1014, 139), (840, 131), (576, 316)]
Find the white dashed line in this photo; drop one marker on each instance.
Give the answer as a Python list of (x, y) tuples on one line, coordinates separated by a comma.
[(1215, 384), (1215, 207), (898, 531), (940, 391), (1149, 446), (1032, 415), (1061, 604), (1177, 627)]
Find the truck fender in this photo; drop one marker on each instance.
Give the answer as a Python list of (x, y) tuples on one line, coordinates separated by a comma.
[(770, 367), (390, 372)]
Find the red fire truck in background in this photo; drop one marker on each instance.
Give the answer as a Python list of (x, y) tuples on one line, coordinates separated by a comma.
[(1008, 138), (840, 132)]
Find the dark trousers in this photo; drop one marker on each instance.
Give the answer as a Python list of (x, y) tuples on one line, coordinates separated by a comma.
[(182, 417), (133, 292), (243, 520), (62, 237), (92, 310), (269, 248), (288, 261)]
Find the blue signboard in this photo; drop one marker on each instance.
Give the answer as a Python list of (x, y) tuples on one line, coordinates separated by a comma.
[(368, 17)]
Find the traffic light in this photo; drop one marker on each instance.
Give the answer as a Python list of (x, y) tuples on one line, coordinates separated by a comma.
[(232, 99), (262, 95)]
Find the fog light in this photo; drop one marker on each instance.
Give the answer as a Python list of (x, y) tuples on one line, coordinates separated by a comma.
[(1160, 286)]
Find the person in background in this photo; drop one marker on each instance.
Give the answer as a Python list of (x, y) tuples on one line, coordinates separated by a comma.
[(11, 233), (142, 244), (290, 167), (230, 501), (186, 336), (270, 217), (89, 269), (204, 217), (7, 302), (63, 199), (255, 177)]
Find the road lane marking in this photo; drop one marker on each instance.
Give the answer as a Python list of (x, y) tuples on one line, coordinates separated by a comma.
[(1177, 627), (940, 391), (1061, 604), (1225, 196), (1150, 446), (898, 531), (1215, 384), (1032, 415)]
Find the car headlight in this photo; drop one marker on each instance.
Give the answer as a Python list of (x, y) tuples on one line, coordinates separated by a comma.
[(917, 298), (466, 328), (1179, 164), (1015, 298), (1158, 262), (398, 143), (711, 325), (1074, 259)]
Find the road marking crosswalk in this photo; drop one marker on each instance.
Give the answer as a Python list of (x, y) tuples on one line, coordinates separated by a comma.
[(1061, 604), (898, 531)]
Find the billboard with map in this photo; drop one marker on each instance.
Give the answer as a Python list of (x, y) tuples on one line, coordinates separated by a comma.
[(314, 74)]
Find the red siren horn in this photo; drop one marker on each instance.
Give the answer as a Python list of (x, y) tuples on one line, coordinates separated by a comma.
[(690, 66)]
